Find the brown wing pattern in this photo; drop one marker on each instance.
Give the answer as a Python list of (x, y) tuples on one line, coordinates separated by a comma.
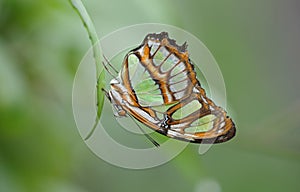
[(221, 126), (168, 65), (191, 116)]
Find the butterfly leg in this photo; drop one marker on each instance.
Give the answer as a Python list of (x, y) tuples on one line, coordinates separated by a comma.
[(106, 94)]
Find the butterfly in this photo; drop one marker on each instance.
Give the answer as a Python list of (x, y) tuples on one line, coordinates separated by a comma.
[(158, 86)]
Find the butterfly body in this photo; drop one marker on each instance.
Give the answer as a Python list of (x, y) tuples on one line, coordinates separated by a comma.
[(158, 86)]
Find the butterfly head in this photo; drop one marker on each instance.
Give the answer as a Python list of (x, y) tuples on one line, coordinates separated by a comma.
[(115, 97)]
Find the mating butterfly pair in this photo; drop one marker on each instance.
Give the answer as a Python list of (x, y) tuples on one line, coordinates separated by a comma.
[(157, 86)]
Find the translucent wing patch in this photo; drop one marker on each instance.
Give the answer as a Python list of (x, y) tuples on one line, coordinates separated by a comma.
[(145, 88), (166, 65)]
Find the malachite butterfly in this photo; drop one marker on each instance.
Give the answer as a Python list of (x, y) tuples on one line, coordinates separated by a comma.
[(158, 86)]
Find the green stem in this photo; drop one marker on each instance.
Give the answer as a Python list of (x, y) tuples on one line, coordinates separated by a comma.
[(100, 73)]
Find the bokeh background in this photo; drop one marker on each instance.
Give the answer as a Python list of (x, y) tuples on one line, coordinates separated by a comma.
[(256, 44)]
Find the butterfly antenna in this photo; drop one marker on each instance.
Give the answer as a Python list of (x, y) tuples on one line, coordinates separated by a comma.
[(107, 61), (106, 69), (106, 64), (146, 134)]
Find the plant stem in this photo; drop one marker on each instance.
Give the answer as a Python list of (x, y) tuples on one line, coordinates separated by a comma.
[(100, 73)]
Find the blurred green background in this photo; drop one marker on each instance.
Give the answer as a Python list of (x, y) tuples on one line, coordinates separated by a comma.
[(256, 44)]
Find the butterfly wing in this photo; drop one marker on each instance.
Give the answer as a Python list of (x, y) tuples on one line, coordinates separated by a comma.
[(166, 95), (199, 120), (162, 71)]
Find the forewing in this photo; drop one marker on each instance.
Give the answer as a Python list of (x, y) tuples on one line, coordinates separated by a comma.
[(160, 71)]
